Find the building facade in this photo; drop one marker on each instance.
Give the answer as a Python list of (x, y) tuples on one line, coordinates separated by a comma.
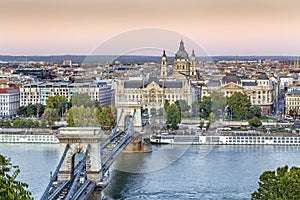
[(292, 102), (39, 92), (153, 92), (259, 90), (9, 101)]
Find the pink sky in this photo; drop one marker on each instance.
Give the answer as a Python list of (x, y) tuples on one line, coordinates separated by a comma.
[(222, 27)]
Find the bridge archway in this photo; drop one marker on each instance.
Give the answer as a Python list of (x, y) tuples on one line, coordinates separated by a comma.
[(129, 108), (78, 139)]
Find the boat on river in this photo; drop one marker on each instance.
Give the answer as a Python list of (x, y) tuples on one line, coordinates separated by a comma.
[(246, 138)]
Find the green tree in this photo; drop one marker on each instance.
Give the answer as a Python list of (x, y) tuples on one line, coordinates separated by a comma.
[(173, 115), (10, 187), (280, 184), (81, 116), (70, 119), (166, 105), (36, 124), (19, 122), (81, 99), (239, 104), (254, 111), (43, 123), (106, 117), (201, 125), (31, 110), (57, 102), (205, 107), (255, 121), (51, 116)]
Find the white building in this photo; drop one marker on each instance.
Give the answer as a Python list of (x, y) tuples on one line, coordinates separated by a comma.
[(39, 92), (9, 101), (292, 102)]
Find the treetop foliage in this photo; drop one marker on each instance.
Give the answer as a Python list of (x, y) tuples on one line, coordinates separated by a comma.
[(280, 184), (10, 187)]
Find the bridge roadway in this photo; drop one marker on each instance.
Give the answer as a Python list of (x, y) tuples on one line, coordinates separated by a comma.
[(83, 190), (80, 187), (112, 154)]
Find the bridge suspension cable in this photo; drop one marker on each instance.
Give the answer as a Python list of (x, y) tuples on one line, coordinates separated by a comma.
[(116, 127), (53, 178), (80, 168)]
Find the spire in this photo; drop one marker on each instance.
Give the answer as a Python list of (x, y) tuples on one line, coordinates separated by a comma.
[(193, 53), (181, 47), (164, 54)]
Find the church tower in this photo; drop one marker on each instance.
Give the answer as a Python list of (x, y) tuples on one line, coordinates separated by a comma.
[(193, 64), (181, 62), (163, 72)]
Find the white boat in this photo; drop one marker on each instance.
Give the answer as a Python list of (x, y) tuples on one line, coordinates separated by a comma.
[(225, 139), (28, 138)]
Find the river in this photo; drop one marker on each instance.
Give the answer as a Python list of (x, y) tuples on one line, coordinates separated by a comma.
[(170, 172)]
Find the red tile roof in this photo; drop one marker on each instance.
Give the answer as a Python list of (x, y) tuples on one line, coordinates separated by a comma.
[(8, 90)]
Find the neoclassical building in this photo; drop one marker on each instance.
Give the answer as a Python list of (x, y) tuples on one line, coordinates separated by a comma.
[(183, 65), (292, 102), (259, 90), (173, 85)]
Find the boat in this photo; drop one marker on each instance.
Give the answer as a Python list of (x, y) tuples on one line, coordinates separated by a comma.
[(246, 138), (28, 138)]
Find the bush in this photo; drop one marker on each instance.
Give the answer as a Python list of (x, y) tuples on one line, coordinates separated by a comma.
[(255, 121)]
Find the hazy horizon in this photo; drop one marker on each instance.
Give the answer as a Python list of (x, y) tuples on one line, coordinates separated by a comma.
[(221, 27)]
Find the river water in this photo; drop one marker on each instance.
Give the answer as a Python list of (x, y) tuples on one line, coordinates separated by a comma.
[(170, 172)]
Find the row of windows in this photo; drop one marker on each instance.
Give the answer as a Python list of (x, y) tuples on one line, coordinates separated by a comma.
[(263, 138), (146, 96)]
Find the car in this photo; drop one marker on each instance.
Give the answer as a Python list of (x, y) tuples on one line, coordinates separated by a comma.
[(61, 196), (65, 191)]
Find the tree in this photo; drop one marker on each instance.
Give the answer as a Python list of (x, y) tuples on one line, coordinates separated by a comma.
[(239, 104), (36, 124), (70, 119), (205, 107), (201, 125), (81, 99), (10, 188), (173, 115), (279, 184), (51, 116), (56, 102), (254, 111), (81, 116), (31, 110), (5, 123), (106, 118), (166, 105), (255, 121)]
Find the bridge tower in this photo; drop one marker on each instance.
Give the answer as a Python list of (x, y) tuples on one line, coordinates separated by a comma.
[(126, 110), (78, 138), (129, 108)]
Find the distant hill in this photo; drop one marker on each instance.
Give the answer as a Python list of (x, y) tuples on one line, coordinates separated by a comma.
[(127, 59)]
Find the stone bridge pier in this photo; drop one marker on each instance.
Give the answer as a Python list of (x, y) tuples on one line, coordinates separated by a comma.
[(79, 138), (128, 109)]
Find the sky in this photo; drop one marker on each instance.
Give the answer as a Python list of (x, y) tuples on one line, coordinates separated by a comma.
[(221, 27)]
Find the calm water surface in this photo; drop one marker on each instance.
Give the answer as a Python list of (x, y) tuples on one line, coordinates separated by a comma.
[(170, 172)]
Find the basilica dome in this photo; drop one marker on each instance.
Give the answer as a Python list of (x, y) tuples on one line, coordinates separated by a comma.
[(181, 53)]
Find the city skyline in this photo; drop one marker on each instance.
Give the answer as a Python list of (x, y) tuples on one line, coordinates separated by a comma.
[(227, 27)]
